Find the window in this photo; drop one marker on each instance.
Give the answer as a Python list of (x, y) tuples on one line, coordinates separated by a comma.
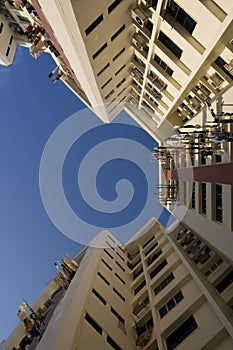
[(137, 273), (117, 315), (112, 109), (113, 5), (111, 238), (121, 82), (170, 304), (141, 285), (163, 65), (113, 343), (110, 256), (224, 66), (180, 16), (119, 294), (119, 70), (119, 54), (1, 27), (118, 32), (181, 333), (90, 320), (218, 158), (164, 283), (152, 258), (98, 52), (103, 69), (159, 83), (121, 91), (106, 264), (158, 269), (122, 268), (193, 200), (120, 256), (109, 94), (119, 277), (105, 84), (94, 291), (221, 286), (151, 248), (132, 266), (8, 51), (219, 211), (11, 39), (149, 26), (203, 257), (139, 61), (203, 198), (148, 325), (170, 44), (149, 240), (109, 245), (141, 305), (213, 267), (103, 278), (94, 24)]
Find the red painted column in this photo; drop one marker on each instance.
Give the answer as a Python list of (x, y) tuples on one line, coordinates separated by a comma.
[(221, 173)]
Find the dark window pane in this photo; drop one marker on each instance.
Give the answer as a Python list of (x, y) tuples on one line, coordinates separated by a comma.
[(182, 332), (221, 286), (178, 297), (163, 311), (171, 304), (114, 5), (93, 324), (170, 44), (94, 24)]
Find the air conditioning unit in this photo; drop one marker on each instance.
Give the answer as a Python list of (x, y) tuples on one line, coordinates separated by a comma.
[(140, 15), (139, 41), (215, 81)]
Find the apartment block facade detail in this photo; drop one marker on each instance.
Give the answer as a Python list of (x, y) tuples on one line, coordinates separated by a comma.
[(160, 291), (161, 60)]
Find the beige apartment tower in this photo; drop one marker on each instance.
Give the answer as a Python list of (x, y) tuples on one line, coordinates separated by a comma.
[(160, 60), (159, 291)]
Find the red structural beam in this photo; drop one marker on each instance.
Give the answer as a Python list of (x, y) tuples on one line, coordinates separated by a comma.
[(221, 173), (49, 30)]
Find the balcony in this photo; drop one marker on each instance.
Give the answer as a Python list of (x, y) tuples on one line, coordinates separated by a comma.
[(144, 333)]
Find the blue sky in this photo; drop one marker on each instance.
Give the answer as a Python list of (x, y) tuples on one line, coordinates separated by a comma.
[(32, 109)]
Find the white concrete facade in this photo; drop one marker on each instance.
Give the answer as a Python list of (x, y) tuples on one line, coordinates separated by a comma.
[(158, 85), (165, 58), (159, 291)]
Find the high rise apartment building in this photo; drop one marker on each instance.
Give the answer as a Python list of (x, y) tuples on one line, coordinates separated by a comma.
[(161, 60), (198, 189), (164, 62), (159, 291)]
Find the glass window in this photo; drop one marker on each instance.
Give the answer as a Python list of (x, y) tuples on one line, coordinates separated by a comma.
[(170, 44), (90, 320), (170, 304), (219, 209), (180, 16), (158, 269), (114, 5), (99, 296), (221, 286), (118, 32), (98, 52), (181, 333), (94, 24), (141, 285)]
